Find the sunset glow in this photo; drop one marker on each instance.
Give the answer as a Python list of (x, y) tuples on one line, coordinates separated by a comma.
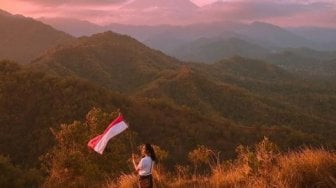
[(179, 12)]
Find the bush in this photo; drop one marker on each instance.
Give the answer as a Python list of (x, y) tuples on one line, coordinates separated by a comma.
[(72, 164)]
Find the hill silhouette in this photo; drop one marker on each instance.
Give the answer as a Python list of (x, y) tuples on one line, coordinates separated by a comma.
[(23, 39)]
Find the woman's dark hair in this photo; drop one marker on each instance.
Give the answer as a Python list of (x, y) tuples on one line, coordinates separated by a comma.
[(150, 151)]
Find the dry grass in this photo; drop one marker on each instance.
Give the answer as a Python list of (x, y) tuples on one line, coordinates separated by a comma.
[(264, 167), (308, 168), (231, 176), (124, 181), (131, 180)]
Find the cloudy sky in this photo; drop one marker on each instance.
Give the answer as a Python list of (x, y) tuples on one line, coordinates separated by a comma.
[(320, 13)]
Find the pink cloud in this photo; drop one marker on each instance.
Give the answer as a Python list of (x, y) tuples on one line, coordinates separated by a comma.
[(151, 12), (73, 2)]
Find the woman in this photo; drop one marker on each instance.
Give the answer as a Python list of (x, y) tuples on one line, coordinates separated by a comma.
[(145, 166)]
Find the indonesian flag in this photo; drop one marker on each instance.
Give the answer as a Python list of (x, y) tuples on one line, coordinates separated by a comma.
[(99, 142)]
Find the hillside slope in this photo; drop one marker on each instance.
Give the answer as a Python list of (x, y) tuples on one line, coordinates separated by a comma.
[(34, 103), (245, 91)]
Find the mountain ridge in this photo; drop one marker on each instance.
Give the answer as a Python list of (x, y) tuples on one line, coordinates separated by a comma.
[(122, 64), (114, 56)]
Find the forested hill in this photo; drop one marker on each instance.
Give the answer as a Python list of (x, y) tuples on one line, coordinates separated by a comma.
[(249, 92), (115, 61), (33, 103)]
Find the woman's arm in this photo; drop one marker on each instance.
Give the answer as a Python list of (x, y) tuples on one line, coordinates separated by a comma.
[(136, 167)]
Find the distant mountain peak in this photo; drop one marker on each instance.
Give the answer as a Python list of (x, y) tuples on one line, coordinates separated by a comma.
[(110, 36), (162, 4), (265, 25), (108, 33), (106, 57)]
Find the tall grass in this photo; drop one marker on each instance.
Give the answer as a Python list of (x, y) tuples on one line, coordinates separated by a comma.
[(308, 168), (264, 166)]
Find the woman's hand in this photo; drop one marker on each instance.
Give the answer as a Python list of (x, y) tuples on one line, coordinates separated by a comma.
[(133, 157), (133, 160)]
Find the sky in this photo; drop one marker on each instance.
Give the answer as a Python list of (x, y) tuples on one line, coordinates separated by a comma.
[(292, 13)]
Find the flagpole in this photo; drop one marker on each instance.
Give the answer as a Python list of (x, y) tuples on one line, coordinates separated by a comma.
[(131, 141), (129, 133)]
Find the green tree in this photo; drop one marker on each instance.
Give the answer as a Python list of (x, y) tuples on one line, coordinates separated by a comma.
[(71, 163)]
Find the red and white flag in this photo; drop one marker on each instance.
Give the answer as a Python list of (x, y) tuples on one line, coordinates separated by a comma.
[(99, 142)]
